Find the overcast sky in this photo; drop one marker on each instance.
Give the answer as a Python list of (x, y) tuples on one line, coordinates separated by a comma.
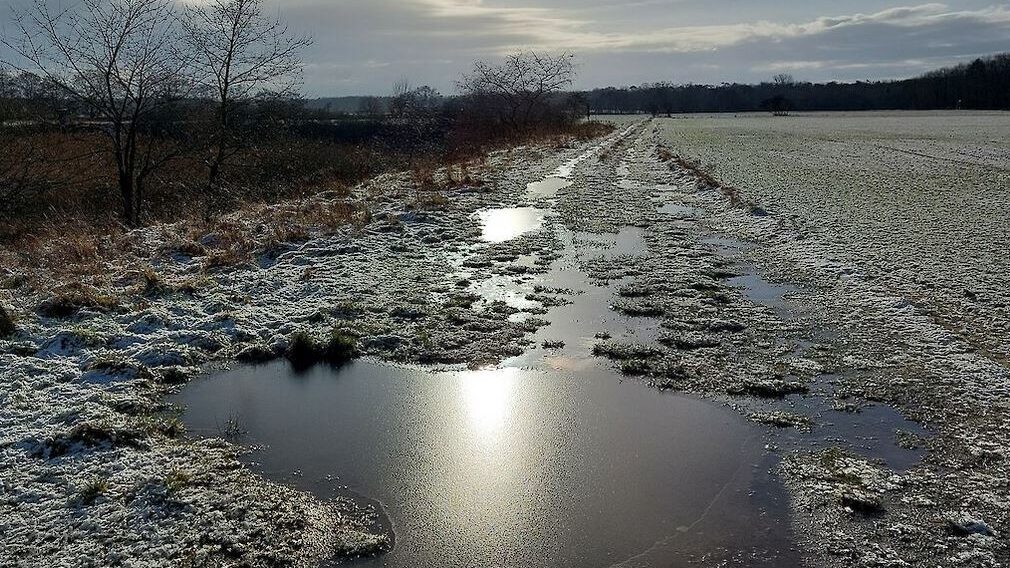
[(364, 46)]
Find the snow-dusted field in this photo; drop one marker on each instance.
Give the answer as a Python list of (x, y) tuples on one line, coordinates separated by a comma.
[(917, 199), (895, 224), (853, 277)]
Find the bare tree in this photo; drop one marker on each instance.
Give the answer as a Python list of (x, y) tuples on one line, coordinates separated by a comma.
[(418, 113), (783, 80), (520, 85), (241, 54), (111, 56), (400, 98)]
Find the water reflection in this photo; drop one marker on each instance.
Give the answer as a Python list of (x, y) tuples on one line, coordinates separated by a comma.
[(500, 225), (512, 466), (487, 398), (548, 187)]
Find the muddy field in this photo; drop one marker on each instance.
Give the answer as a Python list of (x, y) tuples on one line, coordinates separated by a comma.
[(837, 280)]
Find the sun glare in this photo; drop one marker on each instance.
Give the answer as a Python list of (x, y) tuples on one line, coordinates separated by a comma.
[(487, 398), (500, 225)]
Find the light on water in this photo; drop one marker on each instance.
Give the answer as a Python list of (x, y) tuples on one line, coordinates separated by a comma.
[(548, 187), (500, 225), (508, 466), (487, 398)]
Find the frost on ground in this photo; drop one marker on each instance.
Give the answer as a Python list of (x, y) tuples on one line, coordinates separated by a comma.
[(899, 299), (96, 471), (891, 225)]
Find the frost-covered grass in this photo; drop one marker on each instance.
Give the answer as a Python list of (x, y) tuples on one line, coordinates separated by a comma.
[(914, 200), (95, 471)]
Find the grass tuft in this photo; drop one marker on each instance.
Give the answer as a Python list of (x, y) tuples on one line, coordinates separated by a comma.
[(624, 351), (89, 435), (177, 480), (7, 327), (69, 300), (341, 348), (305, 350), (92, 490)]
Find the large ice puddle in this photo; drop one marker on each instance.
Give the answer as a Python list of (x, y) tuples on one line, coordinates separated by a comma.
[(552, 459), (511, 466)]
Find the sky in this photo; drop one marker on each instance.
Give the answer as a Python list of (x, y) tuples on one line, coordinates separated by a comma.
[(365, 46)]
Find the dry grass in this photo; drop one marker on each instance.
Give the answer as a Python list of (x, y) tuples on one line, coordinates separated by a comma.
[(72, 269), (460, 175), (67, 299), (432, 181), (69, 252)]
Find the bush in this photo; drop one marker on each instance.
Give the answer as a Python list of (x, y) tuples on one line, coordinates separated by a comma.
[(6, 323), (305, 350)]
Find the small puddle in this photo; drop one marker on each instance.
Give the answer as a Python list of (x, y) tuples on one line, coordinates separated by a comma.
[(870, 430), (500, 225), (548, 187), (681, 211), (759, 290), (577, 323), (726, 246)]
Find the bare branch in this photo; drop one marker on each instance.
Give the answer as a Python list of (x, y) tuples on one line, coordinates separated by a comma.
[(110, 56), (240, 54), (520, 84)]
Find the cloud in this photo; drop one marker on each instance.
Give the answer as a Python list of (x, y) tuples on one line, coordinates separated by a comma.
[(687, 39), (366, 45)]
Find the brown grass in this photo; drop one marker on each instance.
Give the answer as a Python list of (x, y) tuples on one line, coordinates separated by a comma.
[(702, 174), (67, 247), (74, 269)]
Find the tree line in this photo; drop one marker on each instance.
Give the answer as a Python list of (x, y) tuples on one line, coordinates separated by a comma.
[(983, 84), (156, 106)]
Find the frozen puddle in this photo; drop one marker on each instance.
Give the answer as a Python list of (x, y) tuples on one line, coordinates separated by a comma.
[(760, 291), (510, 466), (680, 211), (548, 187), (726, 246), (500, 225)]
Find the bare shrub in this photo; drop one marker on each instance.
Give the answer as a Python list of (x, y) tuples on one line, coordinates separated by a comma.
[(517, 89)]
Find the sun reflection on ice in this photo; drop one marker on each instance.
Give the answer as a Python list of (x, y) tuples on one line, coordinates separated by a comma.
[(487, 396), (500, 225)]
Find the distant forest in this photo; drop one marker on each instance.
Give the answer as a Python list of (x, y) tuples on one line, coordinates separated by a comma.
[(983, 84)]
